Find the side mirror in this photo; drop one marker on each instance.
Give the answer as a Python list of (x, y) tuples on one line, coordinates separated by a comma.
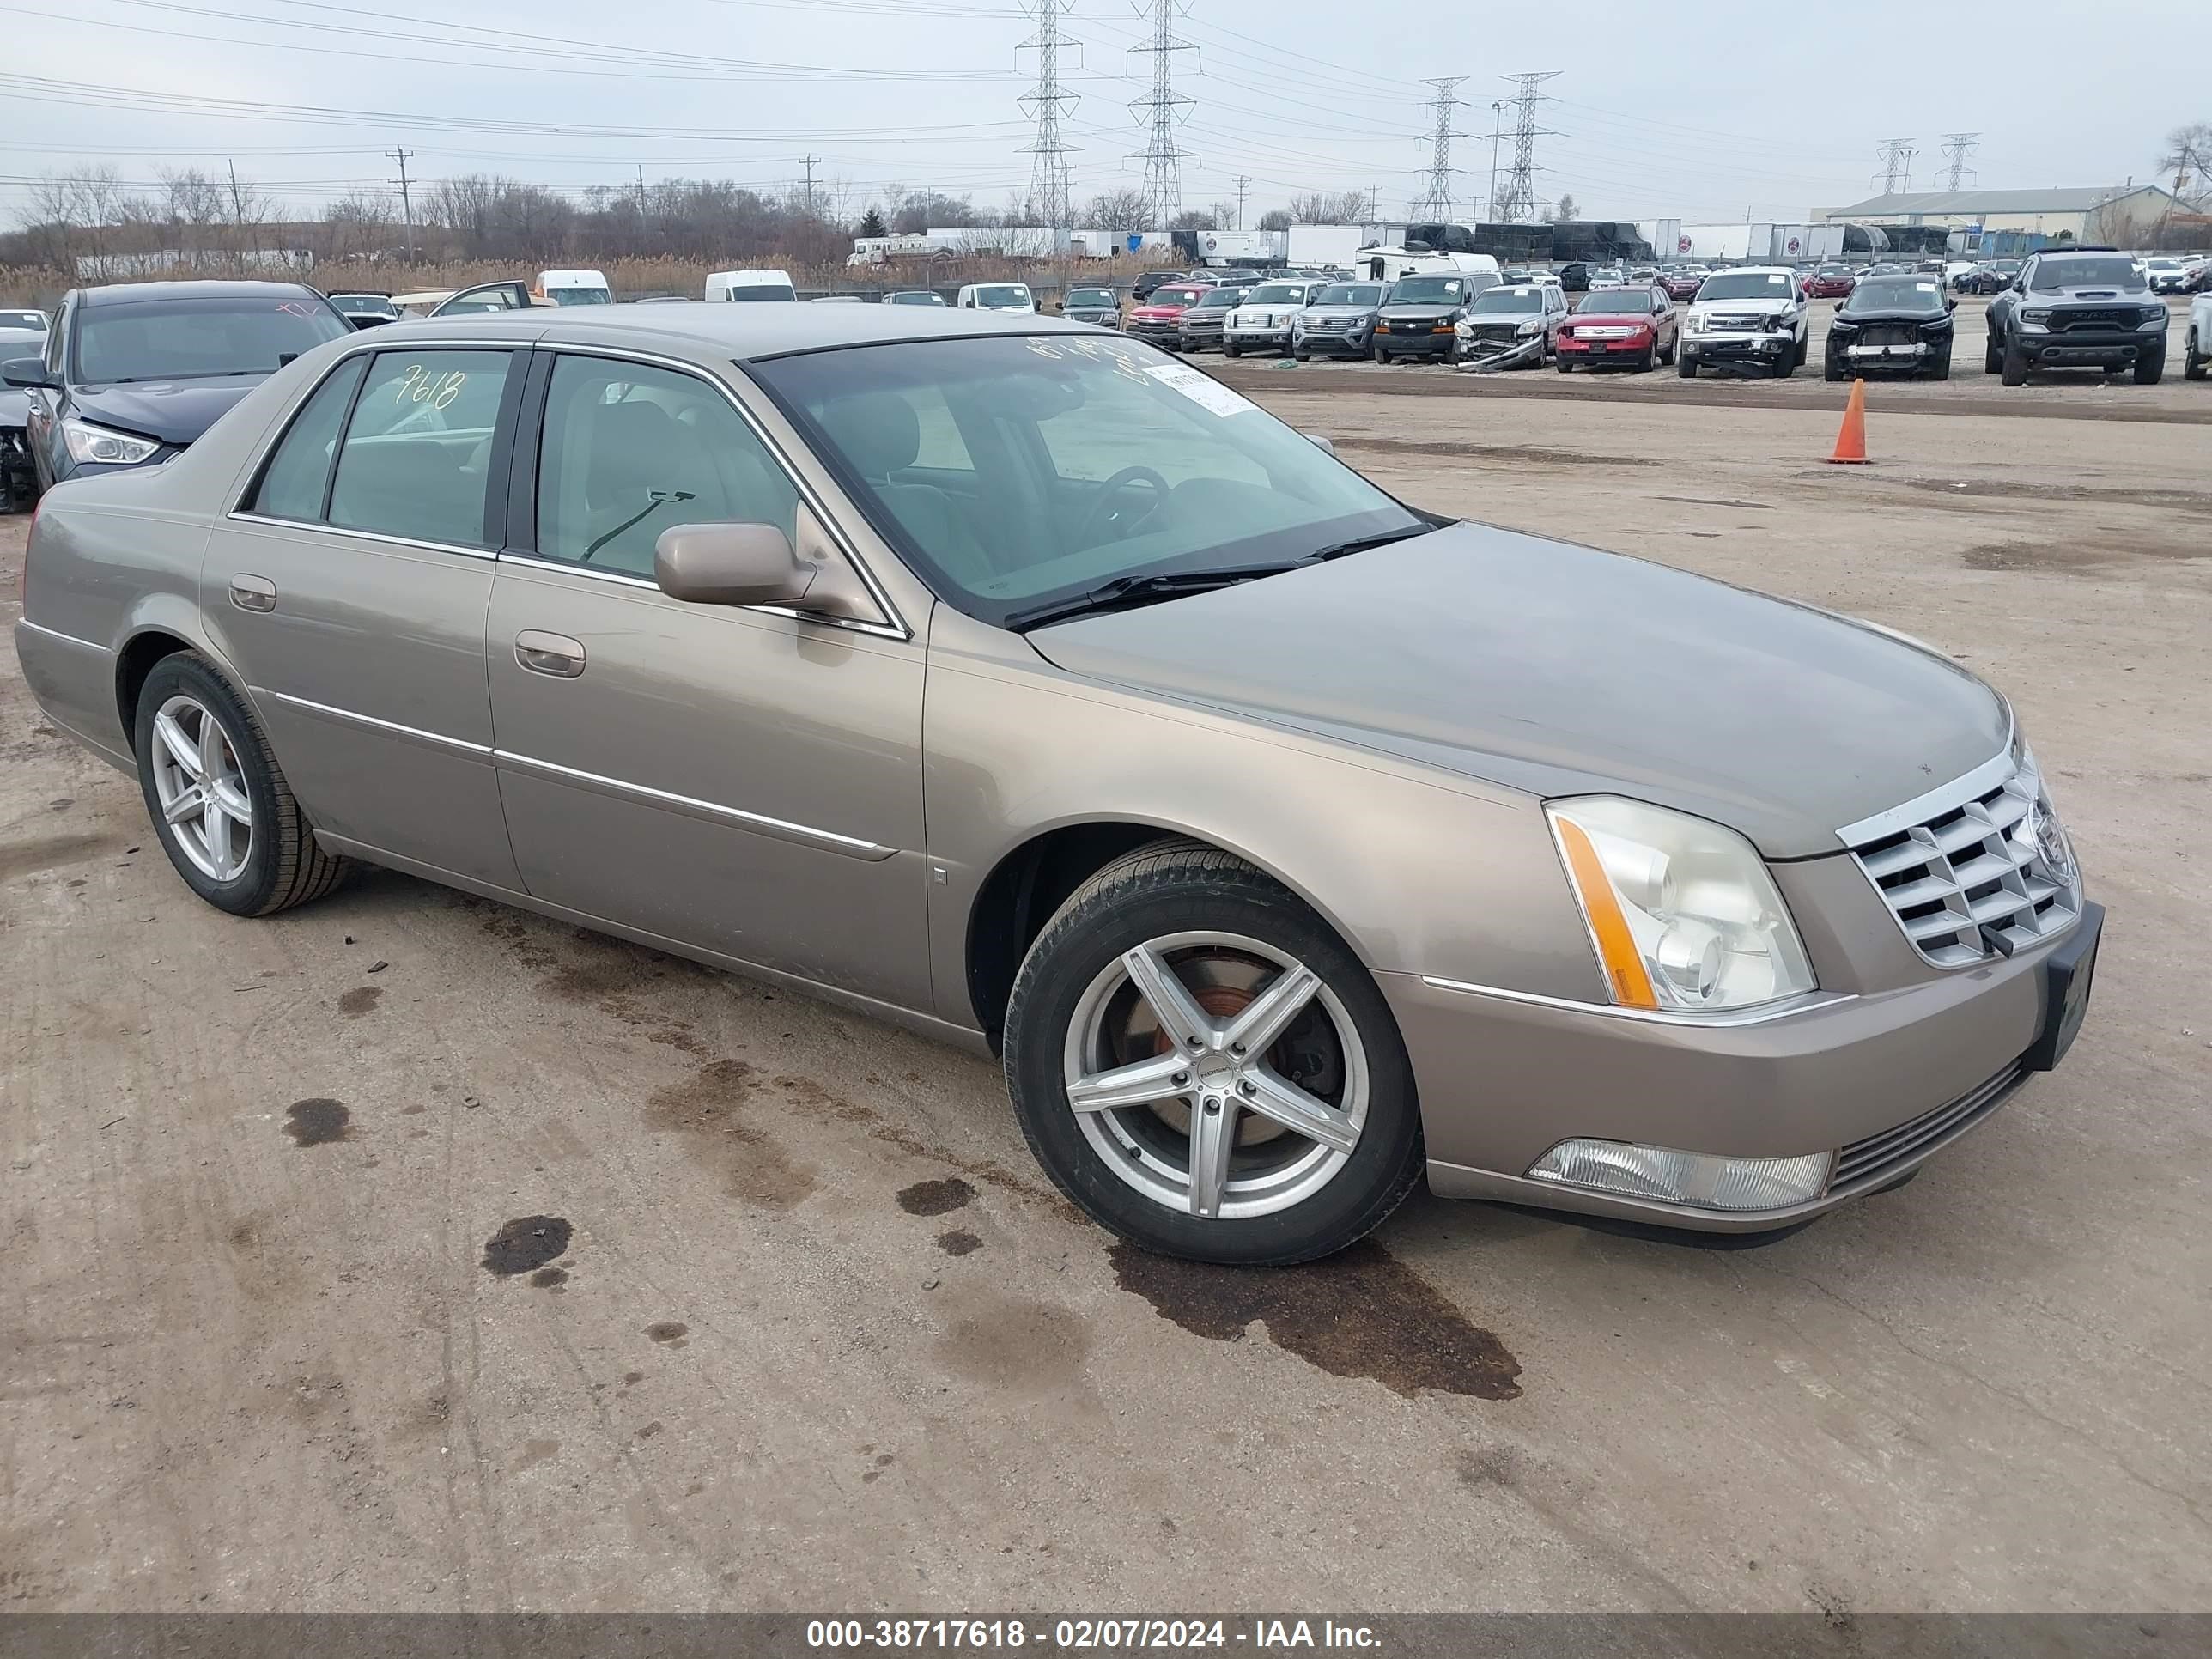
[(27, 373), (726, 563), (1321, 441), (723, 563)]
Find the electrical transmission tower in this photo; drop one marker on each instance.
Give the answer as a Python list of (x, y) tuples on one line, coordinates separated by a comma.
[(1048, 192), (1438, 203), (1163, 156), (1897, 155), (1519, 200), (1958, 147)]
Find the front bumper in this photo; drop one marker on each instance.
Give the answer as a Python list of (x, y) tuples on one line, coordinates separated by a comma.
[(1278, 338), (2081, 348), (1424, 341), (1737, 345), (1348, 342), (1888, 1078), (1501, 354), (1200, 338), (1164, 334), (1629, 349)]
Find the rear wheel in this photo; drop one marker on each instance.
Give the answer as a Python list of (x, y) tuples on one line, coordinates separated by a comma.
[(219, 803), (1201, 1063)]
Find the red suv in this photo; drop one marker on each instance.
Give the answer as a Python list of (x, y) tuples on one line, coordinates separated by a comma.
[(1831, 282)]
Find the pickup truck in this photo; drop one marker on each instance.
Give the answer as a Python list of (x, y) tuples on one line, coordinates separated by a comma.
[(2197, 344), (2077, 308)]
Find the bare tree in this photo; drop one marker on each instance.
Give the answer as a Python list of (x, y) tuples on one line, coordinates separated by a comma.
[(1321, 208), (1566, 209), (1275, 219), (2188, 157), (1118, 211)]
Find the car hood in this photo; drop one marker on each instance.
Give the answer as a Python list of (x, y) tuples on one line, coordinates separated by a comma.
[(1893, 314), (1350, 313), (1413, 313), (1151, 313), (2043, 297), (1560, 669), (175, 411)]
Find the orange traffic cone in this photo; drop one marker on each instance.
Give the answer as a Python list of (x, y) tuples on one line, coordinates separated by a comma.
[(1851, 442)]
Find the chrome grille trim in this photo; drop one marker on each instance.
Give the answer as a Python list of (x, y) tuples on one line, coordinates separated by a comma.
[(1872, 1159), (1983, 873)]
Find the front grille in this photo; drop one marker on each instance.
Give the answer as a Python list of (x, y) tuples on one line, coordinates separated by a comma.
[(1984, 878), (1871, 1158), (1734, 323), (1889, 334), (2101, 318), (1502, 333)]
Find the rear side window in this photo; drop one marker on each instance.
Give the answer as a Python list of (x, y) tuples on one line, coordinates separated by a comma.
[(417, 458), (631, 450), (299, 474)]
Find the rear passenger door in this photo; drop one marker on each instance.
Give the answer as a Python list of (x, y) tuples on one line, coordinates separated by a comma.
[(350, 588), (741, 780)]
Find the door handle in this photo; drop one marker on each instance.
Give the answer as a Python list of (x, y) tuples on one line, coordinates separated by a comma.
[(253, 592), (556, 654)]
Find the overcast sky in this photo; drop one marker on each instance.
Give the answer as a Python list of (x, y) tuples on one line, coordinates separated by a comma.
[(1700, 112)]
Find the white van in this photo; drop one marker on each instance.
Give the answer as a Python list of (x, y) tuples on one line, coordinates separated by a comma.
[(996, 296), (575, 288), (751, 285)]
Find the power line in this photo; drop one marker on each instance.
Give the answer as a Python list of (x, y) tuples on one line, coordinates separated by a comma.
[(1048, 177), (1520, 199), (1438, 203), (1163, 156), (1958, 147), (1897, 155)]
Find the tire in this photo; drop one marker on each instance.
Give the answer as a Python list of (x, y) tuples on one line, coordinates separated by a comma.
[(1228, 350), (1379, 355), (1451, 353), (1300, 354), (1565, 365), (1785, 366), (1939, 368), (1073, 987), (1668, 355), (2192, 359), (2150, 369), (2014, 370), (1993, 354), (1833, 370), (282, 865), (1804, 348), (1687, 367), (1643, 365)]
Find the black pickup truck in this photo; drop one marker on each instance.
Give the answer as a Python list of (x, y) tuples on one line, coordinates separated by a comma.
[(2078, 308)]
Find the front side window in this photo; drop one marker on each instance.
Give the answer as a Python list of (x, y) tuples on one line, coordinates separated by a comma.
[(299, 474), (199, 339), (1085, 460), (417, 458), (630, 450)]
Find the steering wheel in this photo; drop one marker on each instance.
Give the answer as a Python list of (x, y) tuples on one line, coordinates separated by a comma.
[(1105, 513)]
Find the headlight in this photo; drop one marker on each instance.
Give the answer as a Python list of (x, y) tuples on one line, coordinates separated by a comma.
[(1530, 329), (2154, 319), (1683, 913), (2036, 317), (87, 443), (1838, 326)]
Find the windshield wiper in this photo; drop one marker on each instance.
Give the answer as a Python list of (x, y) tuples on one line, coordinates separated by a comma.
[(1124, 590), (1362, 544)]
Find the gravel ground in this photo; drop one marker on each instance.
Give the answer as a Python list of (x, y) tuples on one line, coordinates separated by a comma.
[(408, 1252)]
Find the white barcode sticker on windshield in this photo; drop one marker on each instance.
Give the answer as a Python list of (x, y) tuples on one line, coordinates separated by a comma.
[(1203, 390)]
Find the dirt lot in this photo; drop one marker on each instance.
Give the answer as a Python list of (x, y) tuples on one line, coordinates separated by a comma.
[(407, 1252)]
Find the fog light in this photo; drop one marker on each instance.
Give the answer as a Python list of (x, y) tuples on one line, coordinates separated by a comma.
[(1663, 1175)]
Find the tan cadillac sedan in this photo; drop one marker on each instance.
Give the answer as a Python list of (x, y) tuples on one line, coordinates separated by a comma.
[(1023, 683)]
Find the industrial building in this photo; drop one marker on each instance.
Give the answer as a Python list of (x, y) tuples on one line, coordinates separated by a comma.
[(2122, 215)]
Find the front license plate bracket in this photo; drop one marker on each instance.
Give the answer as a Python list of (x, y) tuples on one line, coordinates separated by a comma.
[(2067, 972)]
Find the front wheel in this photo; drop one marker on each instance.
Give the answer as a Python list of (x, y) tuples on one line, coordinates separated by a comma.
[(1228, 350), (1687, 367), (1379, 355), (1565, 365), (1785, 365), (2150, 369), (2193, 360), (219, 802), (1834, 370), (2014, 370), (1993, 355), (1201, 1064), (1668, 355), (1939, 368)]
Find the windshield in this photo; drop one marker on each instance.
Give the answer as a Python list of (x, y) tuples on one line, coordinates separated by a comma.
[(580, 296), (1220, 299), (1350, 293), (2087, 270), (1177, 296), (22, 320), (197, 339), (919, 297), (1428, 291), (1895, 294), (1014, 472), (1506, 301), (1002, 294), (1746, 285), (1091, 296), (1275, 294), (1616, 302), (1835, 270)]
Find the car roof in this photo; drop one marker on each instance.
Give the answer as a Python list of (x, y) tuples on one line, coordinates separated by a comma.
[(121, 293), (726, 332)]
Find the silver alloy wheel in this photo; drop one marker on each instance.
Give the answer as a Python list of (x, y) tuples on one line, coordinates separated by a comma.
[(202, 791), (1188, 1062)]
